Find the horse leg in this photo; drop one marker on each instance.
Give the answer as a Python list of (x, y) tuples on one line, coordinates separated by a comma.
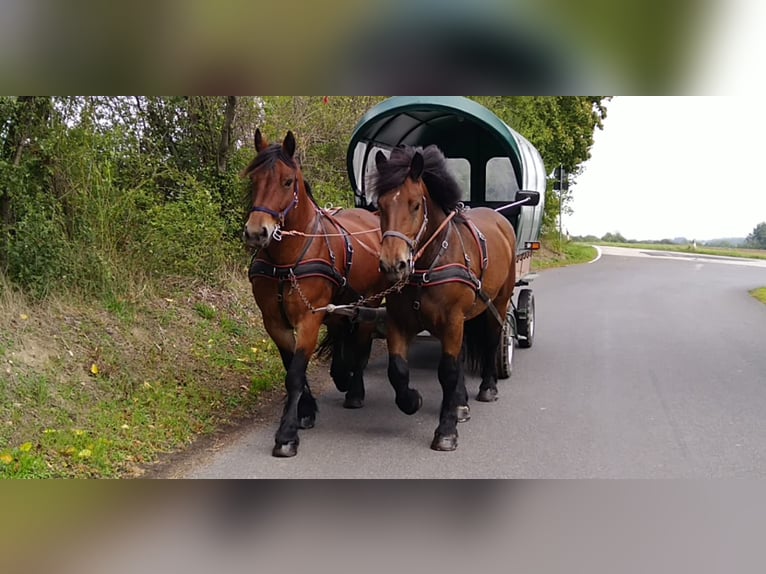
[(286, 439), (408, 400), (339, 370), (488, 387), (361, 344), (452, 380), (307, 404)]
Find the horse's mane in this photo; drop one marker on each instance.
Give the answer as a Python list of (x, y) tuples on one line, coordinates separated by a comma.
[(268, 159), (441, 184)]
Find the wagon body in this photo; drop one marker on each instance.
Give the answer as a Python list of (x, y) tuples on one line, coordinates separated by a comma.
[(491, 161)]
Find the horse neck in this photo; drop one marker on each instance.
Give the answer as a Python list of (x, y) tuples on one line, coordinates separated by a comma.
[(302, 218), (436, 217)]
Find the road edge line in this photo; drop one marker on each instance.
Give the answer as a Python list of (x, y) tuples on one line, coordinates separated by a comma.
[(598, 250)]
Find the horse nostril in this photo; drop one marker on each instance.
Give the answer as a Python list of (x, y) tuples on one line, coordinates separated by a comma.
[(264, 232), (382, 267), (401, 265)]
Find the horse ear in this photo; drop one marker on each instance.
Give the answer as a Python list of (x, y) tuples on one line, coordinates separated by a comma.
[(416, 166), (288, 145), (260, 142), (380, 160)]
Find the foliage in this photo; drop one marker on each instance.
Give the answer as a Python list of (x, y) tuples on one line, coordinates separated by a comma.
[(615, 237), (561, 128), (759, 294), (757, 238), (95, 190), (323, 126)]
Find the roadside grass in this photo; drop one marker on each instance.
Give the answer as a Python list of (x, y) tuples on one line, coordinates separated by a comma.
[(569, 254), (759, 294), (722, 251), (102, 389)]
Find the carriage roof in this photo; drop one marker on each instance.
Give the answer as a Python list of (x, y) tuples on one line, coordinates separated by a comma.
[(460, 127)]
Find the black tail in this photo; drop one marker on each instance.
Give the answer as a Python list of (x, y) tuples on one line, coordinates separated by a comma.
[(477, 335), (327, 345)]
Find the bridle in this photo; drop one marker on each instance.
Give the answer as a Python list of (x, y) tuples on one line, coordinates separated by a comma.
[(411, 243), (416, 253), (280, 215)]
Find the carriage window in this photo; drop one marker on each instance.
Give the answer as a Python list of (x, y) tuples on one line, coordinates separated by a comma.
[(461, 169), (370, 168), (501, 180)]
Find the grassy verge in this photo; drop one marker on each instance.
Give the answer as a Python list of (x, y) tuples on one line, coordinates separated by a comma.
[(570, 254), (102, 388), (725, 252), (759, 294)]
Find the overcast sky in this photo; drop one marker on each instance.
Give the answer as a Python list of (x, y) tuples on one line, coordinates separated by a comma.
[(665, 167)]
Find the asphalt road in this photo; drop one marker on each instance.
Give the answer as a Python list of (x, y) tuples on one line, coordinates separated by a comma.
[(644, 365)]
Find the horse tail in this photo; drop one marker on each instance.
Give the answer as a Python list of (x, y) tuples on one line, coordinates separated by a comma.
[(330, 340), (476, 337)]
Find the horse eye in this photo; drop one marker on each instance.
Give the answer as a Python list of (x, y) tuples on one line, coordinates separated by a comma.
[(416, 208), (288, 182)]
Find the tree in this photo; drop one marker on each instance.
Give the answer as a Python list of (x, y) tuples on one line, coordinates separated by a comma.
[(561, 128), (615, 237), (757, 238)]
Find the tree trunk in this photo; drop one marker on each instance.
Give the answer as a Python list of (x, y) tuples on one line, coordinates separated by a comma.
[(226, 134)]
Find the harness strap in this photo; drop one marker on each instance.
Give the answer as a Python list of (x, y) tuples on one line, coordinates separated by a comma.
[(280, 215)]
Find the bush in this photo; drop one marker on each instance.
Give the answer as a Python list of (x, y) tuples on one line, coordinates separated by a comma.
[(37, 250), (186, 237)]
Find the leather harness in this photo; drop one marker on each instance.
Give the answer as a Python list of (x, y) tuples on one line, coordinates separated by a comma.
[(455, 272), (284, 274)]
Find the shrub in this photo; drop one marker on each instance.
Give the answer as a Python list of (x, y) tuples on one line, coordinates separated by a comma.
[(186, 237)]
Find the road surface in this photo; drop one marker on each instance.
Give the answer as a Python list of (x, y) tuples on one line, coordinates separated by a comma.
[(645, 365)]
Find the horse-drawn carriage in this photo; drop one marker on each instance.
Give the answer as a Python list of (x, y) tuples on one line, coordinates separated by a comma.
[(494, 165), (458, 197)]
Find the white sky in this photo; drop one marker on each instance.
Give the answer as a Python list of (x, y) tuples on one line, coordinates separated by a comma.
[(684, 166)]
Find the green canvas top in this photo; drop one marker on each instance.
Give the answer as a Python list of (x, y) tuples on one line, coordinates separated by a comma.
[(459, 126)]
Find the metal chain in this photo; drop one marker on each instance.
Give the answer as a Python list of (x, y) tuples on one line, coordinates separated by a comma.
[(395, 287), (297, 287)]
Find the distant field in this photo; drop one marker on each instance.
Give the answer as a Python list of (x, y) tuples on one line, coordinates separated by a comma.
[(726, 252)]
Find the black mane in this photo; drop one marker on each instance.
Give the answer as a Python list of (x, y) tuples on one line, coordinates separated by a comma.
[(268, 158), (440, 182)]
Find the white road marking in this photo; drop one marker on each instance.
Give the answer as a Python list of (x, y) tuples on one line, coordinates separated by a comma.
[(598, 253)]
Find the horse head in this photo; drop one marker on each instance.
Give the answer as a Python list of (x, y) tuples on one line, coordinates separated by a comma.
[(274, 178)]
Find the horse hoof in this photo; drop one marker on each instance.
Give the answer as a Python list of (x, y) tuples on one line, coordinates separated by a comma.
[(353, 403), (446, 443), (287, 450), (411, 402), (487, 395), (307, 422), (463, 414)]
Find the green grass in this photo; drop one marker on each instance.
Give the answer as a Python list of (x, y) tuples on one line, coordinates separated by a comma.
[(104, 390), (759, 294), (570, 254), (725, 252)]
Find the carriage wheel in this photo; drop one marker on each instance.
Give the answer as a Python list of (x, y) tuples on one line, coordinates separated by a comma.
[(505, 352), (525, 318)]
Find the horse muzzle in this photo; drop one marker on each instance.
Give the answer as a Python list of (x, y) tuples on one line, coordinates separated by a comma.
[(396, 271), (257, 237)]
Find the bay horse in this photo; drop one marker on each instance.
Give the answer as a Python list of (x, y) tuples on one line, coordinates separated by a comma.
[(457, 269), (306, 258)]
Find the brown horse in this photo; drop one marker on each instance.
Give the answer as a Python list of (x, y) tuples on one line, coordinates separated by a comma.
[(307, 258), (458, 271)]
